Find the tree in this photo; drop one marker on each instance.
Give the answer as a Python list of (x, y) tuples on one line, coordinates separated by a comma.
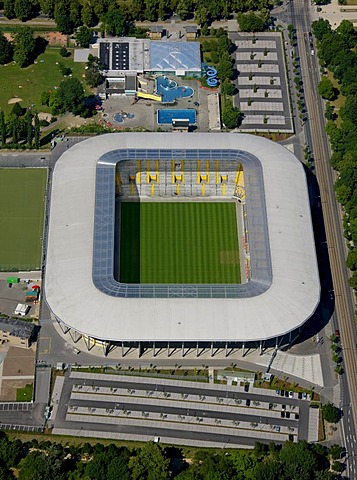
[(29, 127), (335, 451), (338, 467), (9, 9), (88, 16), (6, 50), (2, 128), (23, 9), (321, 28), (230, 116), (84, 36), (150, 463), (298, 461), (92, 73), (115, 23), (225, 68), (227, 87), (326, 89), (70, 95), (63, 19), (24, 46), (37, 131), (249, 22), (330, 413)]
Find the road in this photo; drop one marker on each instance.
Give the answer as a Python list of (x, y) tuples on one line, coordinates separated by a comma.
[(344, 301)]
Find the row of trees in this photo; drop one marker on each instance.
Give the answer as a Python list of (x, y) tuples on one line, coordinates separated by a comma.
[(20, 126), (23, 49), (337, 53), (49, 461), (70, 14)]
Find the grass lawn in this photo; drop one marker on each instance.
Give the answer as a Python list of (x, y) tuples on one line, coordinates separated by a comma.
[(35, 79), (21, 217), (24, 394), (179, 242)]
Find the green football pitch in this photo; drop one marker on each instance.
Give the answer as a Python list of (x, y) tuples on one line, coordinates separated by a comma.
[(21, 217), (180, 242)]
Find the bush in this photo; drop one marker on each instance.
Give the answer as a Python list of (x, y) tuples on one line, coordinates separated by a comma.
[(330, 413), (64, 52)]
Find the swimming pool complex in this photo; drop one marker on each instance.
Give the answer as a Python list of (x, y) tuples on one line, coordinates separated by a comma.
[(165, 117), (170, 90)]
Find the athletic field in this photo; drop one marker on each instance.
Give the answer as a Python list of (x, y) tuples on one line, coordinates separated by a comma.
[(178, 243), (21, 217)]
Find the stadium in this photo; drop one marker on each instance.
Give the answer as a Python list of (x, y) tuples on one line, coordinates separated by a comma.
[(182, 243)]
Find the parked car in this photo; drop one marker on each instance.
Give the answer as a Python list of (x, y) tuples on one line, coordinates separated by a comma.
[(300, 395), (287, 414), (247, 402), (277, 392), (304, 396), (337, 333), (283, 407), (282, 414), (282, 393), (286, 393), (291, 394)]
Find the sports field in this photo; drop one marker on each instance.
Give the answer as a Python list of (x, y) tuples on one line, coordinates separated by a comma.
[(21, 217), (179, 242)]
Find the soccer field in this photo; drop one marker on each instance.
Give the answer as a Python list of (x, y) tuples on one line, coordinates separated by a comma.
[(21, 217), (179, 242)]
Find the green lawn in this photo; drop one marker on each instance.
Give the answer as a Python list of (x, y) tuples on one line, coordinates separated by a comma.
[(28, 83), (24, 394), (21, 217), (179, 242)]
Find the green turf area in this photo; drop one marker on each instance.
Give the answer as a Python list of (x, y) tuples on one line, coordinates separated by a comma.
[(28, 83), (21, 217), (24, 394), (179, 242)]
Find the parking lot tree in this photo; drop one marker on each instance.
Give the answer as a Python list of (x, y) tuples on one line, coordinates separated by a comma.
[(24, 46), (249, 22), (6, 50), (150, 463), (84, 36)]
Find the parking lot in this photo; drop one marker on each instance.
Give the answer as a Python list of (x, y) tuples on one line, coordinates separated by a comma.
[(263, 95), (140, 408)]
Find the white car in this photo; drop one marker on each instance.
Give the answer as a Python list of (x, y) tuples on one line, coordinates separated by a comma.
[(312, 52)]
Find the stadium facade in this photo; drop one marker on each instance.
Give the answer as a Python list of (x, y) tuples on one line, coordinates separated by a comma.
[(281, 288)]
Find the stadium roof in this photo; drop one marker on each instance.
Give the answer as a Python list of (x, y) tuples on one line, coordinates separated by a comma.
[(175, 56), (285, 305)]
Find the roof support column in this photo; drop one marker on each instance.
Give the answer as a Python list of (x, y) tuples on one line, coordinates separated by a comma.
[(226, 349), (261, 348), (122, 349), (63, 327), (139, 350), (153, 349), (243, 349), (183, 349), (168, 349), (211, 349), (197, 350)]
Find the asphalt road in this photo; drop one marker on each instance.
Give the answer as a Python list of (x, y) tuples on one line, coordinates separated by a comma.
[(344, 301)]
